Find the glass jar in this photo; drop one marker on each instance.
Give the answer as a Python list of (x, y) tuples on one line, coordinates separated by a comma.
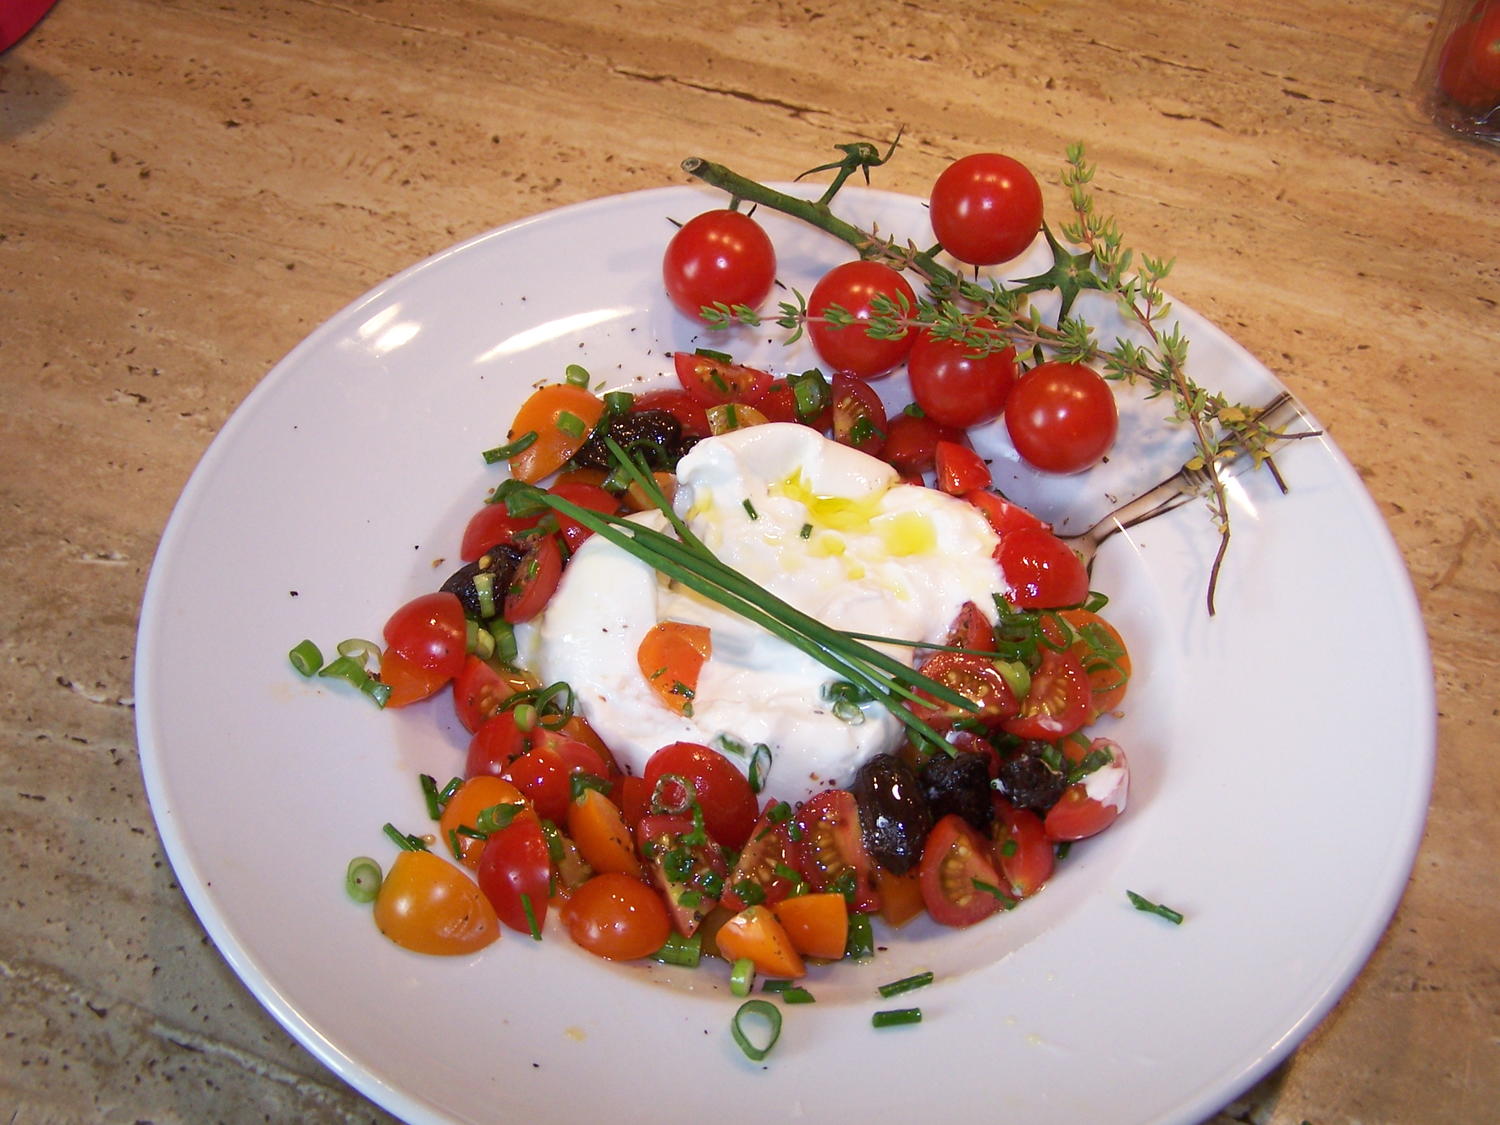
[(1459, 85)]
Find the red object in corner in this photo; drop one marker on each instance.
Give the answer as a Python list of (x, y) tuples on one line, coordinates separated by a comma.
[(17, 17)]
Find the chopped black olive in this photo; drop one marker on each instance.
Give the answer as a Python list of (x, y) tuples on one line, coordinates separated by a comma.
[(960, 784), (893, 814), (499, 564), (655, 435), (1028, 782)]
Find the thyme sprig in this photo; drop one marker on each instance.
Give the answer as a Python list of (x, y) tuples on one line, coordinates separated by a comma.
[(987, 315)]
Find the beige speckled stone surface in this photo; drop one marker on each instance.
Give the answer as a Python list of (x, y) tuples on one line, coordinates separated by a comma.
[(188, 187)]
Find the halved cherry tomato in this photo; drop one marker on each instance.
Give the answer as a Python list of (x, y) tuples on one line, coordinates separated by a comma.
[(1101, 650), (911, 442), (430, 632), (589, 496), (1023, 851), (408, 682), (855, 288), (779, 404), (491, 526), (971, 630), (562, 416), (756, 934), (599, 829), (711, 380), (973, 677), (688, 411), (765, 871), (481, 689), (1040, 570), (1058, 701), (958, 877), (900, 896), (515, 873), (478, 793), (818, 925), (617, 917), (831, 851), (1004, 516), (960, 469), (729, 416), (729, 805), (427, 905), (1088, 807), (534, 582), (858, 414), (670, 656), (545, 774), (496, 744), (689, 875)]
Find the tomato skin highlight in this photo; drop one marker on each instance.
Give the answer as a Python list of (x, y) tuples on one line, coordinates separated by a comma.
[(429, 631), (1062, 417), (718, 257), (427, 905), (854, 286), (986, 208), (616, 917), (954, 859)]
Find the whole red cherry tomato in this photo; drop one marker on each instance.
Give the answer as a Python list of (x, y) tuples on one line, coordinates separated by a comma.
[(1469, 68), (955, 385), (855, 287), (986, 208), (719, 257), (1062, 417)]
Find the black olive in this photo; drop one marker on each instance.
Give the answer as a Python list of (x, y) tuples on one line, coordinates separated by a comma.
[(893, 814), (655, 435), (1028, 782), (499, 562), (959, 783)]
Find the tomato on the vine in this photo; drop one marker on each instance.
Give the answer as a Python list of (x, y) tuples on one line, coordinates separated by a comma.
[(1040, 570), (855, 287), (960, 885), (430, 632), (956, 385), (1469, 67), (719, 257), (427, 905), (1061, 417), (986, 208), (617, 917)]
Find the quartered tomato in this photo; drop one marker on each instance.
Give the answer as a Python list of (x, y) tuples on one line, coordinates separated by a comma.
[(729, 805), (670, 657), (463, 808), (858, 415), (973, 677), (831, 851), (562, 416), (598, 828), (430, 632), (756, 933), (689, 872), (1004, 516), (427, 905), (1058, 702), (1088, 807), (765, 871), (545, 774), (1040, 570), (534, 581), (960, 469), (958, 876), (711, 379), (1023, 851), (481, 689), (1101, 650), (617, 917), (515, 873), (818, 925)]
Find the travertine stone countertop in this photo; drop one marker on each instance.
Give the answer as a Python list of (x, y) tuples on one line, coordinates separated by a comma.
[(188, 187)]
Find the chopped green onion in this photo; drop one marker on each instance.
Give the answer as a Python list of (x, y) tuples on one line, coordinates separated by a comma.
[(729, 745), (905, 984), (750, 509), (678, 950), (403, 840), (618, 402), (768, 1012), (810, 394), (709, 353), (524, 715), (1016, 675), (530, 912), (760, 765), (797, 995), (307, 658), (570, 424), (352, 671), (742, 977), (495, 817), (510, 449), (505, 641), (776, 984), (552, 836), (576, 375), (362, 879), (1149, 907), (1096, 601), (1063, 849), (484, 591), (896, 1017), (582, 781), (453, 786), (860, 944), (357, 648), (806, 532), (430, 795), (1006, 902)]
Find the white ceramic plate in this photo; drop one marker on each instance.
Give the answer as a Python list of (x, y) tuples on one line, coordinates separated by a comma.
[(1282, 750)]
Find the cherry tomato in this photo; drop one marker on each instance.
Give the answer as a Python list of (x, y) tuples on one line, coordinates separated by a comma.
[(710, 380), (688, 411), (534, 582), (617, 917), (854, 287), (974, 678), (727, 416), (1101, 650), (589, 496), (956, 386), (670, 657), (562, 416), (1023, 851), (831, 851), (1061, 417), (1040, 570), (1088, 807), (1004, 516), (545, 775), (408, 683), (515, 873), (730, 809), (971, 629), (958, 877), (986, 208), (480, 691), (818, 925), (463, 809), (911, 442), (427, 905), (491, 526), (719, 257), (689, 875), (598, 828), (757, 934), (1469, 68), (858, 415), (1057, 703), (960, 469), (761, 874), (429, 631)]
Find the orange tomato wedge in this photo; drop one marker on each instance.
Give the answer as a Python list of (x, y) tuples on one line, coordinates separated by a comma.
[(463, 808), (670, 656), (756, 934), (636, 499), (900, 896), (598, 828), (562, 416), (818, 925)]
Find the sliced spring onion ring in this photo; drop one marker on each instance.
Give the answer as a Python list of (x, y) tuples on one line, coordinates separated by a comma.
[(362, 879), (742, 978), (307, 658), (767, 1011)]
